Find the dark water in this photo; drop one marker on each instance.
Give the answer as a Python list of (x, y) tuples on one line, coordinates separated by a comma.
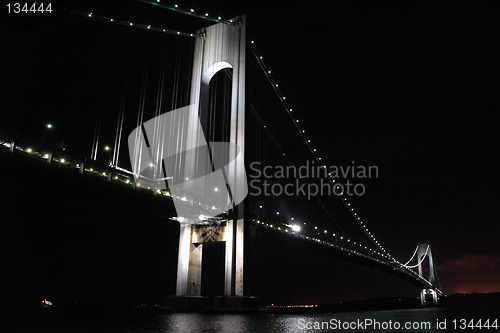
[(188, 322)]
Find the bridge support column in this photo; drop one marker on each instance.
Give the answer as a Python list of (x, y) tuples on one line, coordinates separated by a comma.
[(240, 229), (183, 259), (228, 276), (233, 284), (194, 273), (189, 262)]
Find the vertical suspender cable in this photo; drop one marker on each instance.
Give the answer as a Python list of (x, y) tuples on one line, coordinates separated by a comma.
[(140, 112), (121, 116)]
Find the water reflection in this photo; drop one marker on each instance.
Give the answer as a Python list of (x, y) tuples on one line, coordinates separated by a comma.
[(192, 322), (261, 323), (318, 322)]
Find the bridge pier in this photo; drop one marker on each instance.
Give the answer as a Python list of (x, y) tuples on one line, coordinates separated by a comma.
[(425, 294), (191, 295), (192, 239)]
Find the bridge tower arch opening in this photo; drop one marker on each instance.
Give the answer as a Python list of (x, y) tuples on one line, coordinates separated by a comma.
[(215, 115)]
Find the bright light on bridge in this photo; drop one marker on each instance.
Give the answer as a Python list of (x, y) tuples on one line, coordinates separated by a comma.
[(296, 228)]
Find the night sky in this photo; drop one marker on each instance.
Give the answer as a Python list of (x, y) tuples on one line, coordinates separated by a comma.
[(411, 88)]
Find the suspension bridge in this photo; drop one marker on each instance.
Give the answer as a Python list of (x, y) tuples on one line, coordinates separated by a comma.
[(214, 108)]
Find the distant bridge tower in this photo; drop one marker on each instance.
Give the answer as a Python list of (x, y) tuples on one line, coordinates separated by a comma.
[(218, 47), (426, 270)]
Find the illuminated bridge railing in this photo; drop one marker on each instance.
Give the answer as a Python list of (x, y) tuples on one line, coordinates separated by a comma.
[(342, 244), (59, 157)]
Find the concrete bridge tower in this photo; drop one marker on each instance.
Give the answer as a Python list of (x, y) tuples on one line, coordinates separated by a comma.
[(218, 47), (426, 270)]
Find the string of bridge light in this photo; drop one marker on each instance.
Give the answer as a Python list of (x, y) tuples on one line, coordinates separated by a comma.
[(190, 12), (282, 151), (275, 226), (301, 131), (93, 16)]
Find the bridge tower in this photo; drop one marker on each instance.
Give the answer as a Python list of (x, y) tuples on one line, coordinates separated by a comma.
[(426, 267), (218, 47), (206, 180)]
